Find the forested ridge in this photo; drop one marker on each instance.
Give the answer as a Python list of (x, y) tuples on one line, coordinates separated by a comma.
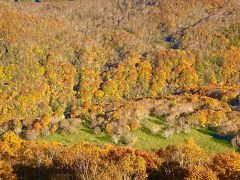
[(109, 65)]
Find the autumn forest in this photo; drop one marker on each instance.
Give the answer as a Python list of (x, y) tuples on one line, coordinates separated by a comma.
[(120, 89)]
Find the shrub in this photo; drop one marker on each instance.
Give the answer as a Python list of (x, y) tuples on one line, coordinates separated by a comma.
[(130, 139), (182, 160), (2, 131), (167, 133), (17, 127), (172, 170), (227, 165), (81, 161), (97, 130), (76, 122), (141, 112), (54, 120), (178, 129), (6, 171), (131, 166), (134, 124), (155, 129), (100, 120), (123, 130), (31, 134), (200, 172), (9, 146), (37, 126), (187, 153), (70, 130), (186, 128), (116, 138), (53, 128), (64, 124), (45, 131), (18, 130), (109, 128), (45, 121)]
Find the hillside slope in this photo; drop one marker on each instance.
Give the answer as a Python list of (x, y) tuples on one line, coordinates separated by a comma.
[(82, 60)]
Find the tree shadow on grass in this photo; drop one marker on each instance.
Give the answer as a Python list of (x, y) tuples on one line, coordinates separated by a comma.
[(145, 130), (215, 135), (224, 140), (89, 131), (66, 140), (158, 121), (104, 138)]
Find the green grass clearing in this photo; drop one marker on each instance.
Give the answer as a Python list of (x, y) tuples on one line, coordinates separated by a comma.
[(146, 140)]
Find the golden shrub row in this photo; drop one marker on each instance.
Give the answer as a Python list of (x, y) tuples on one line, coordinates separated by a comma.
[(185, 161)]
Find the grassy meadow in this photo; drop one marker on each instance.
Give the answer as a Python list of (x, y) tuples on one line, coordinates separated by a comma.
[(205, 138)]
